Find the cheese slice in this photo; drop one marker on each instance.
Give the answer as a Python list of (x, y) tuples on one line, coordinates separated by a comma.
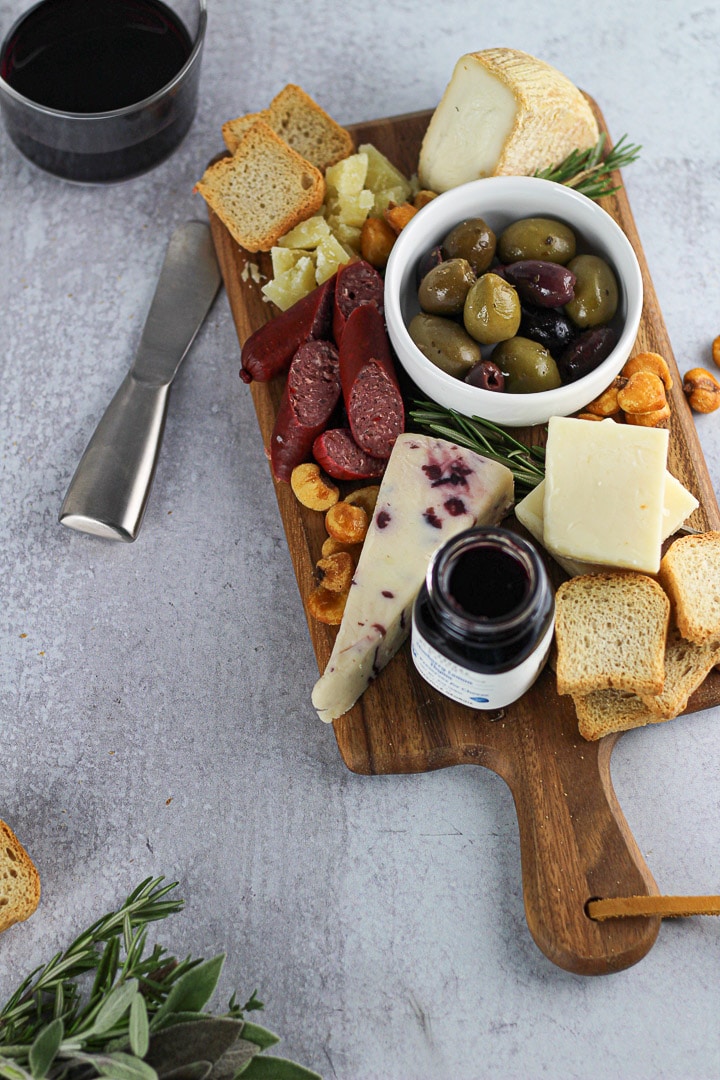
[(605, 492), (503, 113), (431, 490), (678, 504)]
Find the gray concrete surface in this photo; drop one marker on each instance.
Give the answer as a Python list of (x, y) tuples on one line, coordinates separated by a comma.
[(155, 713)]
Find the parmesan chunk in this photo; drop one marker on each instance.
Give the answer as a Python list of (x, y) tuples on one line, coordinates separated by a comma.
[(503, 113)]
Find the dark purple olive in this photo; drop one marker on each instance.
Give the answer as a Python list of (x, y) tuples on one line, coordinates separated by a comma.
[(544, 284), (586, 352), (551, 328), (428, 262), (487, 376)]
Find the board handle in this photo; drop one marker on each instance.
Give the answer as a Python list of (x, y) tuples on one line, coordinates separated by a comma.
[(575, 843)]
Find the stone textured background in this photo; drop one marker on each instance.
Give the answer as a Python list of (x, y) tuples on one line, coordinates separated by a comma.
[(155, 712)]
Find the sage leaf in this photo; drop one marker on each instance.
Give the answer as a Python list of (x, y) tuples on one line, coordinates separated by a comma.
[(114, 1007), (194, 989), (139, 1028), (199, 1070), (266, 1067), (259, 1035), (45, 1047), (185, 1044), (121, 1066), (10, 1071)]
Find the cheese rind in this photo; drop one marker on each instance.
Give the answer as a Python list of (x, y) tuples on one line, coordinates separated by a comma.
[(605, 492), (678, 504), (503, 113), (431, 490)]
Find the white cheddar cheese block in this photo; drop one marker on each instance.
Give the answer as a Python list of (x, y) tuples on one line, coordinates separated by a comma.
[(503, 113), (431, 490), (605, 492), (678, 504)]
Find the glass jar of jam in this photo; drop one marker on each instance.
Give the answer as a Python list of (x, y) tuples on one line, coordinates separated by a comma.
[(483, 621)]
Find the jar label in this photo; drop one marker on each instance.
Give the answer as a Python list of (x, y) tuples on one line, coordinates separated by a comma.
[(478, 690)]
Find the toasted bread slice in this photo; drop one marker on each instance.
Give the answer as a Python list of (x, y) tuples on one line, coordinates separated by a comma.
[(235, 130), (690, 575), (302, 123), (19, 880), (610, 631), (686, 667), (606, 711), (263, 190)]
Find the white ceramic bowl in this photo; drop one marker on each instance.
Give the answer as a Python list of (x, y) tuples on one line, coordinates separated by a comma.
[(500, 200)]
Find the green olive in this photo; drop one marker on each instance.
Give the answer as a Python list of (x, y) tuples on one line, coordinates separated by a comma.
[(528, 367), (445, 344), (537, 238), (492, 310), (444, 288), (596, 292), (474, 240)]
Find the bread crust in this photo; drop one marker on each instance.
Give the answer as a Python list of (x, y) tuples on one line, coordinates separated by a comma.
[(19, 880)]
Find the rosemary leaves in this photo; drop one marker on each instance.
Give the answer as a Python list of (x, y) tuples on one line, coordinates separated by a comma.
[(589, 171)]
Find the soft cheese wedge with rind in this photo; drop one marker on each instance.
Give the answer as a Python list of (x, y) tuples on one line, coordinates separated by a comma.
[(431, 490), (503, 113)]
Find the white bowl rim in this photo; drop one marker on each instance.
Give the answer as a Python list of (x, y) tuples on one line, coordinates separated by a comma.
[(436, 218)]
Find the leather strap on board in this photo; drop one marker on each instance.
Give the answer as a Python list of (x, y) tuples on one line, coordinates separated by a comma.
[(664, 906)]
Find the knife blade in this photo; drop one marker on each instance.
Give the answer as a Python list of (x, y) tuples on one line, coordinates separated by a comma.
[(109, 492)]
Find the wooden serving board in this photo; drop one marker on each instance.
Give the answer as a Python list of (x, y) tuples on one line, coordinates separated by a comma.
[(575, 842)]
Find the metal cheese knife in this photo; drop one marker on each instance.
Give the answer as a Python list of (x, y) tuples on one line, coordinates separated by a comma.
[(108, 494)]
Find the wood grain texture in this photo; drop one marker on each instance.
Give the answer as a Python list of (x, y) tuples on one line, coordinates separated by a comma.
[(575, 842)]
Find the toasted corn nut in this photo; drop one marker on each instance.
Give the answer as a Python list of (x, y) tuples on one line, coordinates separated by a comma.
[(644, 392), (365, 497), (716, 350), (649, 419), (589, 416), (397, 217), (423, 198), (336, 571), (376, 241), (607, 404), (313, 489), (331, 546), (702, 390), (649, 361), (347, 523), (326, 606)]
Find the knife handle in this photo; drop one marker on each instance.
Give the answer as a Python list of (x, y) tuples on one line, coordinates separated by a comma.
[(108, 494)]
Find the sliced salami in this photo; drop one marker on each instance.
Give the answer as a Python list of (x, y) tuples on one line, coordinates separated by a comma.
[(371, 393), (339, 455), (311, 393), (358, 283), (268, 351)]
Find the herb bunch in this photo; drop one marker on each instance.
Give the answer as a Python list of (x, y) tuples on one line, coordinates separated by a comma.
[(526, 463), (109, 1007), (589, 171)]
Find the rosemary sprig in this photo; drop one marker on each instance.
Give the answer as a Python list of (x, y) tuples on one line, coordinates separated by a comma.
[(527, 463), (589, 171), (142, 1016)]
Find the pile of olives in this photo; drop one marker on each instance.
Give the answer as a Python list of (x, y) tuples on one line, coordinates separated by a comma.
[(542, 308)]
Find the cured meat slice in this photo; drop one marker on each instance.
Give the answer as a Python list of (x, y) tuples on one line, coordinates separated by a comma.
[(371, 392), (358, 284), (311, 393), (268, 351), (340, 456)]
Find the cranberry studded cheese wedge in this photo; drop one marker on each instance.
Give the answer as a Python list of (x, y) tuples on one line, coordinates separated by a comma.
[(431, 490)]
